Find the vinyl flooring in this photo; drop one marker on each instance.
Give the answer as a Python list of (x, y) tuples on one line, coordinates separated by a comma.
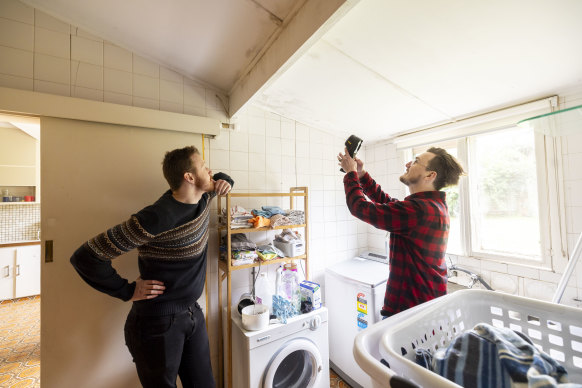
[(20, 342)]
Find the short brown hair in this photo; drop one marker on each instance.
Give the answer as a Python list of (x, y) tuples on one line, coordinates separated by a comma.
[(176, 163), (448, 168)]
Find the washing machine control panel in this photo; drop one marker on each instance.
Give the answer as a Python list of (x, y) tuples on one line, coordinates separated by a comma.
[(315, 323)]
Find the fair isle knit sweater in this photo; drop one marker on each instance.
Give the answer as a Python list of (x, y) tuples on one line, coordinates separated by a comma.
[(172, 240)]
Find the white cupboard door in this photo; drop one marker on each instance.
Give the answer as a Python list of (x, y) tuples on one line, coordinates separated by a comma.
[(7, 260), (27, 271)]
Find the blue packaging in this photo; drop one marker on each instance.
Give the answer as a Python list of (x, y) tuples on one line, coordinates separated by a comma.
[(311, 292)]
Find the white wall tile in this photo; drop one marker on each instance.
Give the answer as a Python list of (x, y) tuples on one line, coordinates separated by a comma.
[(219, 160), (273, 145), (301, 149), (86, 93), (16, 62), (169, 106), (52, 43), (257, 180), (213, 100), (257, 162), (505, 283), (241, 180), (14, 82), (274, 164), (148, 103), (115, 57), (117, 98), (239, 160), (117, 81), (194, 95), (145, 67), (539, 290), (86, 50), (52, 88), (573, 191), (53, 69), (221, 141), (16, 10), (146, 87), (301, 132), (171, 91), (523, 271), (194, 110), (77, 31), (287, 129), (288, 147), (86, 75), (170, 75), (239, 141), (256, 143), (44, 20), (16, 34), (257, 126), (273, 127)]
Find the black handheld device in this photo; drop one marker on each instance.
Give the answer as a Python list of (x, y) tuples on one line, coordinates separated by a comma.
[(353, 145)]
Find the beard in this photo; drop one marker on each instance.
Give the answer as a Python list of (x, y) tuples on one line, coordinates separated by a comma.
[(409, 180)]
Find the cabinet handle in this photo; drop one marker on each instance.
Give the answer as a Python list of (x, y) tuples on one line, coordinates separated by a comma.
[(18, 270), (6, 271)]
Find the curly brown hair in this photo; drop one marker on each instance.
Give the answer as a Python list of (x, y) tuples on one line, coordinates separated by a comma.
[(448, 168)]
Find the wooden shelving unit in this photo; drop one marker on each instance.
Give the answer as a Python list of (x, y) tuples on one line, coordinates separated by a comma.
[(225, 267)]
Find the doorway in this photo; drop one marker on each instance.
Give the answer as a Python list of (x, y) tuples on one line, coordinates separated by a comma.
[(19, 251)]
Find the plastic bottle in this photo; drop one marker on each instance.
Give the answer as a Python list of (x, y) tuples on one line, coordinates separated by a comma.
[(264, 291), (278, 280), (290, 286)]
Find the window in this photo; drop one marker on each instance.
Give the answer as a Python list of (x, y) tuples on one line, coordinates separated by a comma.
[(504, 192), (495, 210)]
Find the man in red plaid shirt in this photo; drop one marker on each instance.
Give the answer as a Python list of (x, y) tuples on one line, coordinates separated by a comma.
[(418, 225)]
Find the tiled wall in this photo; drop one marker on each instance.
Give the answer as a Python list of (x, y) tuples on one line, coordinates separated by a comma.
[(43, 54), (386, 165), (19, 222), (269, 153)]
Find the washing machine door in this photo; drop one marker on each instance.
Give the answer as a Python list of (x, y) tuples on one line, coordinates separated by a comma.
[(297, 364)]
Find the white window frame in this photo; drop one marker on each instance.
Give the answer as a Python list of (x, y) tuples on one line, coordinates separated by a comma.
[(549, 170)]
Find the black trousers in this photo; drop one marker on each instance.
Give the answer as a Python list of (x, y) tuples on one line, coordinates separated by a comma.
[(168, 346)]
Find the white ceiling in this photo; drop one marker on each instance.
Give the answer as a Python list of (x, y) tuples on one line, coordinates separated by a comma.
[(376, 68)]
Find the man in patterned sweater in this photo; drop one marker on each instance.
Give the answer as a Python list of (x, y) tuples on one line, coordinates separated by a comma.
[(165, 329), (418, 225)]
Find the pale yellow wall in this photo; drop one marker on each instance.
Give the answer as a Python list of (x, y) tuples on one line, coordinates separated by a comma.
[(17, 158)]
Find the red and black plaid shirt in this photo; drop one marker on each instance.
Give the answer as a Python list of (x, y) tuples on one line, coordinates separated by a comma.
[(419, 230)]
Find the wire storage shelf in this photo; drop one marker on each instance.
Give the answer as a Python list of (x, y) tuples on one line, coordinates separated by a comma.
[(554, 329)]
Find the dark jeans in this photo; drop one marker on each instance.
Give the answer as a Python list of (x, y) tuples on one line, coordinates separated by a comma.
[(168, 346)]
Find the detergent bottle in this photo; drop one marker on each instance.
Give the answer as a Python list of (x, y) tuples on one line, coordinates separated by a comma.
[(264, 291), (290, 286)]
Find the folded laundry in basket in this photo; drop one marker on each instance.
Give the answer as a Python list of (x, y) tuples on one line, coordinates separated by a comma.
[(488, 356)]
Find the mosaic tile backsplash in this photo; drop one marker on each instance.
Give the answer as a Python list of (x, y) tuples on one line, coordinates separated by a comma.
[(19, 222)]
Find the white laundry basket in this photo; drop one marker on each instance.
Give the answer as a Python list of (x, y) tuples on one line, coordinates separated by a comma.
[(554, 329)]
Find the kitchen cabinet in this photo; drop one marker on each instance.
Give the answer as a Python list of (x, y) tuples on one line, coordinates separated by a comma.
[(225, 267), (19, 271)]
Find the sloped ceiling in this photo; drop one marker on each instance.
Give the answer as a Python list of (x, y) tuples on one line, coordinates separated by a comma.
[(375, 68)]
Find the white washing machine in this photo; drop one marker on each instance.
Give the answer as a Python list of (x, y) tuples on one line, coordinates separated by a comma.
[(291, 355), (354, 295)]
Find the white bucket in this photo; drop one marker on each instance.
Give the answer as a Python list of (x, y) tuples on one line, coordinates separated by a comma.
[(255, 317)]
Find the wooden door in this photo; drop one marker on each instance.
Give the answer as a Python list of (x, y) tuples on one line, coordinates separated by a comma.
[(93, 176)]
